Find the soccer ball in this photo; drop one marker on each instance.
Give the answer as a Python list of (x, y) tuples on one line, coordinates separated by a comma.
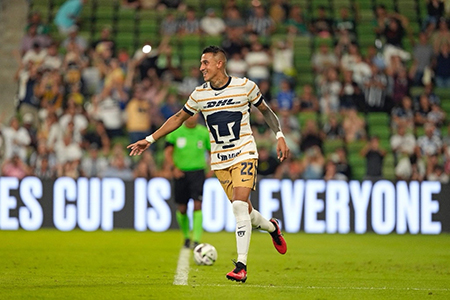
[(205, 254)]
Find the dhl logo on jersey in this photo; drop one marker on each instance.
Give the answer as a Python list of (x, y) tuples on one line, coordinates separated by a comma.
[(218, 103)]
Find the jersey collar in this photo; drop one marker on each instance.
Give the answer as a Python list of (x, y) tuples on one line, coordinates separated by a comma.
[(222, 87)]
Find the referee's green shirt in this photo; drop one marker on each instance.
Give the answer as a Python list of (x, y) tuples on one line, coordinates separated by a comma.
[(189, 147)]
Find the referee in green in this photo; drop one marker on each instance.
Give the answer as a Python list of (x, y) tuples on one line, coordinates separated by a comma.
[(186, 153)]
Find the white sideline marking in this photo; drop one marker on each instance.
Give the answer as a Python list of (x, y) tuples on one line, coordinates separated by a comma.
[(330, 287), (182, 274)]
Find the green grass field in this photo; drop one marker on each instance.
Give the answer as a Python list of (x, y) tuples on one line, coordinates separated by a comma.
[(125, 264)]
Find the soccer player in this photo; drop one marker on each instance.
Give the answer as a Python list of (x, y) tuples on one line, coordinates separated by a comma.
[(185, 155), (225, 103)]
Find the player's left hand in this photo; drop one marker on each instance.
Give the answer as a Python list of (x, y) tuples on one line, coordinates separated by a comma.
[(138, 147), (282, 149)]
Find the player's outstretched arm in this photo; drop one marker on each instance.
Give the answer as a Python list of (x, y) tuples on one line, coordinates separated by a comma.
[(274, 124), (170, 125)]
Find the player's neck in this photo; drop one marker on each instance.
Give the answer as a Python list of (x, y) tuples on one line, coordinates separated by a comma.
[(219, 82)]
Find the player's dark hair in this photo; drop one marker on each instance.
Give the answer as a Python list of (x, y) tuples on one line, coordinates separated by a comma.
[(215, 50)]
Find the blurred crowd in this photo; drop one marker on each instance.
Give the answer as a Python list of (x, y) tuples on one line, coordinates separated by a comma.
[(80, 102)]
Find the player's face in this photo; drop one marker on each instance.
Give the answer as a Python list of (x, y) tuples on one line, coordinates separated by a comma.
[(209, 66)]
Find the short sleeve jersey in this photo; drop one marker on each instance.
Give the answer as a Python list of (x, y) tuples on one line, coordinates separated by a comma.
[(227, 114)]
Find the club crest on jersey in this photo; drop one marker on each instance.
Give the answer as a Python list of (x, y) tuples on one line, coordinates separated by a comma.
[(218, 103)]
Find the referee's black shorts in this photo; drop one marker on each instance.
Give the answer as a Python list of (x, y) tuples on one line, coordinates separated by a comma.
[(190, 186)]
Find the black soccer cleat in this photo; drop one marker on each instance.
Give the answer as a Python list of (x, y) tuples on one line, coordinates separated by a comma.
[(239, 273), (187, 243)]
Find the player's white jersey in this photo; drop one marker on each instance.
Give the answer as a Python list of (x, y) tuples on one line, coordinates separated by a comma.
[(227, 114)]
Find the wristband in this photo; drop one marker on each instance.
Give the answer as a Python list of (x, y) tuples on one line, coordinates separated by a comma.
[(279, 135), (150, 139)]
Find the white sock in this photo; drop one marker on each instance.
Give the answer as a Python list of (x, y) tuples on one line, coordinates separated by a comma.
[(243, 229), (259, 222)]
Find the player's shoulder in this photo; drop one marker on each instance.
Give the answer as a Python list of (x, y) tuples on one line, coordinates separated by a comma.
[(203, 87), (240, 81)]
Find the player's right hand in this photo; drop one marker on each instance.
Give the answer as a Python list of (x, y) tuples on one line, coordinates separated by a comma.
[(138, 147)]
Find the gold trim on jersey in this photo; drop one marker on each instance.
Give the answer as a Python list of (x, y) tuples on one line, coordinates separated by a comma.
[(221, 108), (190, 107), (231, 149), (242, 135), (221, 97), (210, 88), (254, 87), (257, 96)]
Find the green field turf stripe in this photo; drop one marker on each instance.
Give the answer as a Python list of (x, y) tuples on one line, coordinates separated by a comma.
[(331, 287), (182, 274)]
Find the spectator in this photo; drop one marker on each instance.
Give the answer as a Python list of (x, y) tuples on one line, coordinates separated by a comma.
[(296, 23), (345, 23), (42, 162), (438, 174), (234, 22), (411, 168), (169, 25), (146, 167), (422, 54), (68, 14), (403, 113), (339, 157), (190, 82), (291, 129), (322, 26), (324, 59), (259, 22), (236, 65), (67, 151), (93, 163), (233, 42), (375, 90), (35, 19), (105, 42), (394, 33), (330, 88), (349, 58), (138, 116), (332, 128), (278, 11), (350, 94), (374, 159), (401, 85), (435, 11), (402, 142), (35, 55), (117, 168), (421, 113), (15, 167), (441, 36), (308, 101), (361, 71), (331, 172), (286, 98), (313, 164), (16, 140), (258, 61), (53, 60), (96, 136), (31, 38), (190, 25), (430, 143), (283, 62), (310, 136), (74, 115), (267, 163), (211, 24), (354, 126), (436, 116), (171, 106), (442, 67), (432, 97)]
